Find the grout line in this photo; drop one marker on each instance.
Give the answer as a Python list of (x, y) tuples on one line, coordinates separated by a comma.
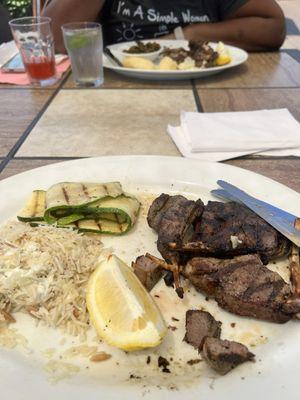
[(197, 97), (10, 155), (248, 88), (132, 88), (264, 158), (47, 158), (247, 157), (43, 89)]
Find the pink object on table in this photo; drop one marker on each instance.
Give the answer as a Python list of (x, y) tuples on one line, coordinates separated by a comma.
[(21, 78)]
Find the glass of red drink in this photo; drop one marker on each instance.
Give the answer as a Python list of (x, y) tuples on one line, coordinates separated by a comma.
[(35, 42)]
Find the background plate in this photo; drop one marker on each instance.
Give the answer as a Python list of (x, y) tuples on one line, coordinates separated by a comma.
[(239, 56)]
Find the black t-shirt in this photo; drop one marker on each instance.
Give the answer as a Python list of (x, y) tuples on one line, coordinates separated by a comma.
[(125, 20)]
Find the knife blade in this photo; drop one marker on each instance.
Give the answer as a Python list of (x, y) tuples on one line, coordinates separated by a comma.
[(112, 57), (286, 223)]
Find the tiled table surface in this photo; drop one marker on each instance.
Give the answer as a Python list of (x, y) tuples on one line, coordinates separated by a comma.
[(43, 126), (108, 122)]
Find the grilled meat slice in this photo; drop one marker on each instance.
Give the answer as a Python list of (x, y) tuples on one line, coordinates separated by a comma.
[(229, 229), (178, 54), (202, 53), (172, 217), (242, 285), (199, 325), (148, 271), (224, 355)]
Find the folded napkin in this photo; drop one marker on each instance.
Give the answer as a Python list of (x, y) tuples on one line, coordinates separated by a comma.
[(9, 49), (222, 136)]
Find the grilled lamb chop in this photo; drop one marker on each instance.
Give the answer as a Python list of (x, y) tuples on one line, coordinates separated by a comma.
[(225, 355), (148, 271), (172, 218), (229, 229), (199, 325), (242, 285)]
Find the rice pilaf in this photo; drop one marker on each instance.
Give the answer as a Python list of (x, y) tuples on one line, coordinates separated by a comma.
[(44, 271)]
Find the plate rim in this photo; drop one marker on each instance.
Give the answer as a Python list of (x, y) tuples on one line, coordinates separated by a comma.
[(150, 157)]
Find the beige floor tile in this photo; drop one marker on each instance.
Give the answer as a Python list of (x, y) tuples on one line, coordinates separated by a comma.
[(108, 122)]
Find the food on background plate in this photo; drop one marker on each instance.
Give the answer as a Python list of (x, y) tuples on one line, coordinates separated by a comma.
[(122, 311), (87, 207), (199, 55), (187, 64), (138, 63), (141, 47), (223, 55), (167, 63)]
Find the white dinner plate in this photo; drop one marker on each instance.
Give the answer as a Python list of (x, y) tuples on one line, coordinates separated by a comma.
[(277, 347), (239, 56)]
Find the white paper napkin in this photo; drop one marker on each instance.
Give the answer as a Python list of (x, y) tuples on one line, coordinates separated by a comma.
[(222, 136)]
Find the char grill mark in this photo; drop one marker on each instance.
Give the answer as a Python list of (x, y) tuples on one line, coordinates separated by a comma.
[(225, 355), (229, 229), (242, 285), (186, 228), (199, 325)]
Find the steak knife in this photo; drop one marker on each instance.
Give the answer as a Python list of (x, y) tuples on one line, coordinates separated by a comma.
[(286, 223), (112, 57)]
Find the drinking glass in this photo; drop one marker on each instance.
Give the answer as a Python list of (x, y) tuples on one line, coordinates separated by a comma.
[(83, 41), (35, 42)]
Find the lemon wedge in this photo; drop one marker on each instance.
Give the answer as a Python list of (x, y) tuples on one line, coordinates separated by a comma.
[(224, 55), (121, 310), (223, 59)]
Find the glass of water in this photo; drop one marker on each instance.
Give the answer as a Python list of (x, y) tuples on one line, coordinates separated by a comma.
[(83, 41)]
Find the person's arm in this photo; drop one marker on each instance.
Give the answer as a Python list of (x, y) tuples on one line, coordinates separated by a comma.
[(255, 26), (65, 11)]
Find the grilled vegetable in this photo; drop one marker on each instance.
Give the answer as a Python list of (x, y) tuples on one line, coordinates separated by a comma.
[(34, 208), (88, 207)]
